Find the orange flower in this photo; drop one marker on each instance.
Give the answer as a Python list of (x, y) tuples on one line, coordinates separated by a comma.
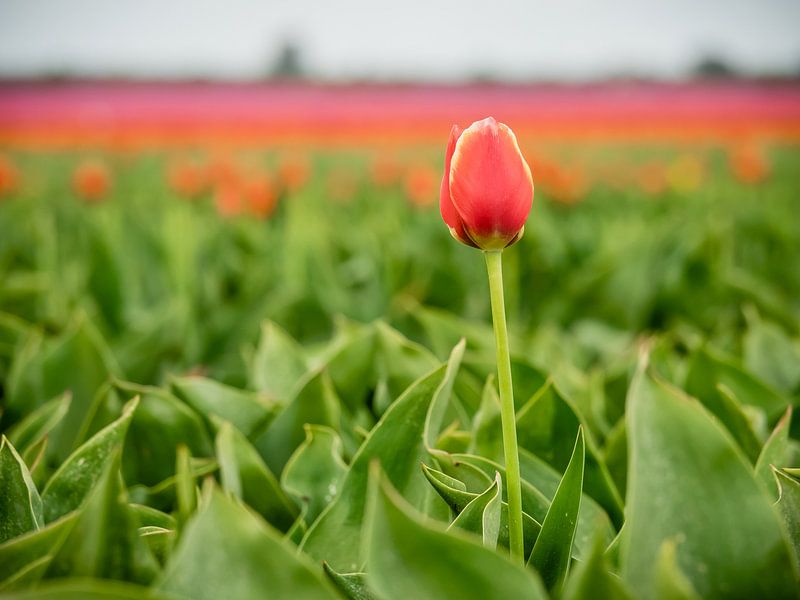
[(385, 171), (228, 199), (186, 178), (92, 180), (652, 178), (9, 177), (748, 164), (294, 171), (487, 189), (260, 194), (569, 185), (419, 184)]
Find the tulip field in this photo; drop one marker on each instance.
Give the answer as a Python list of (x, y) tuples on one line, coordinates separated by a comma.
[(250, 361)]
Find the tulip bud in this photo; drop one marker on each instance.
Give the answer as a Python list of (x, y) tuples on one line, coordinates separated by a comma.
[(487, 189)]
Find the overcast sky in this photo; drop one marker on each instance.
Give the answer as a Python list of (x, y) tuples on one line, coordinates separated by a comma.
[(426, 39)]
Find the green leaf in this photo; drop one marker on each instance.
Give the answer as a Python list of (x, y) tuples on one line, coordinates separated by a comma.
[(104, 542), (460, 501), (539, 485), (33, 547), (39, 423), (487, 440), (546, 424), (707, 371), (438, 406), (770, 354), (87, 589), (592, 579), (73, 481), (228, 552), (671, 583), (482, 515), (399, 362), (315, 470), (335, 535), (79, 362), (553, 549), (353, 586), (349, 361), (248, 412), (185, 486), (689, 481), (160, 424), (20, 504), (774, 452), (315, 403), (407, 558), (246, 476), (789, 508), (278, 363)]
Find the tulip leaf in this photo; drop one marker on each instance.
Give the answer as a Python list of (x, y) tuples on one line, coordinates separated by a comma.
[(539, 485), (486, 439), (482, 515), (278, 363), (352, 586), (34, 547), (78, 362), (87, 589), (789, 508), (592, 579), (104, 541), (770, 354), (690, 482), (247, 411), (20, 504), (185, 486), (671, 582), (315, 470), (246, 476), (335, 535), (75, 478), (316, 403), (38, 424), (399, 361), (546, 424), (774, 453), (407, 558), (707, 372), (460, 501), (160, 425), (228, 552), (553, 549)]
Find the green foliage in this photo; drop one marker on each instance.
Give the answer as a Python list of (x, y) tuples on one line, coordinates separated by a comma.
[(199, 407)]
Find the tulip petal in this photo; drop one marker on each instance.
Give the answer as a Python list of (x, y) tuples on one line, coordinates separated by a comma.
[(491, 187), (449, 214)]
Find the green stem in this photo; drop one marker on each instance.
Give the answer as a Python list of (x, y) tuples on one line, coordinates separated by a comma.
[(494, 265)]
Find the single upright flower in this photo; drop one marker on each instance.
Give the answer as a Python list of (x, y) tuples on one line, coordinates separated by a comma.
[(92, 180), (487, 188), (485, 197)]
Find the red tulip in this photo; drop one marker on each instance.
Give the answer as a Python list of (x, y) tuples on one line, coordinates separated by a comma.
[(9, 176), (487, 189), (92, 180), (186, 178), (259, 192), (749, 164), (420, 185)]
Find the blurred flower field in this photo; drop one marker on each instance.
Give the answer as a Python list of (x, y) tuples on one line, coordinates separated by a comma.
[(223, 363)]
